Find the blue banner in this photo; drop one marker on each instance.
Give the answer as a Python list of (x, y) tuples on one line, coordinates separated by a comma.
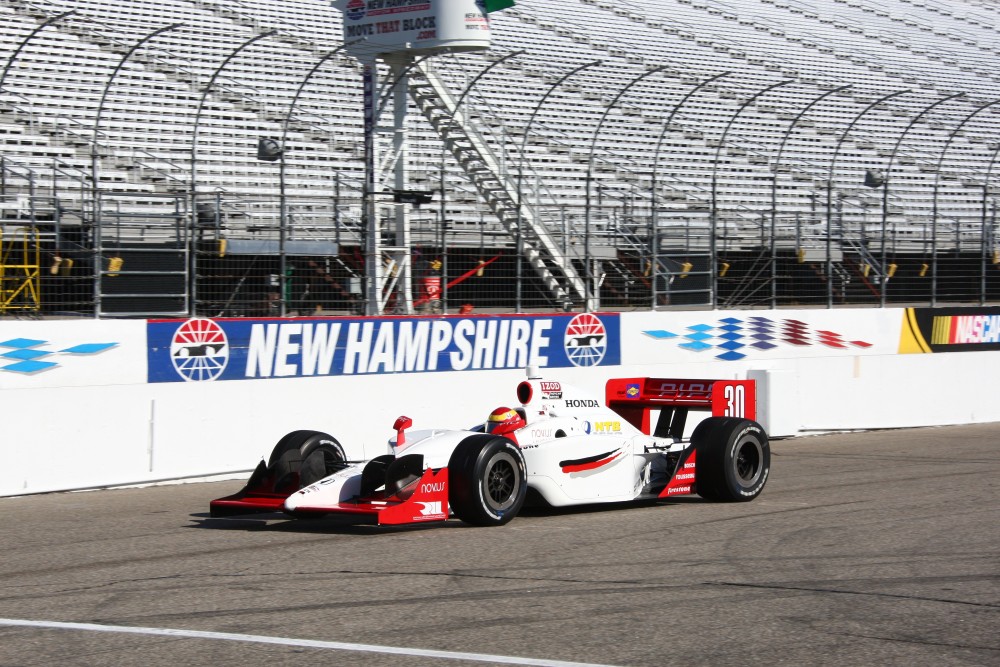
[(200, 350)]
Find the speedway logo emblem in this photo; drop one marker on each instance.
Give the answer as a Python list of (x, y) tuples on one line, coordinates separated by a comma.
[(200, 350), (734, 338), (355, 10), (586, 340), (28, 356)]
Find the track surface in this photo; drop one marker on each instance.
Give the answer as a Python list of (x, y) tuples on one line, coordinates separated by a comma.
[(866, 548)]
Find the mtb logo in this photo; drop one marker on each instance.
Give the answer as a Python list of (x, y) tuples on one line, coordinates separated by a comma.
[(199, 350)]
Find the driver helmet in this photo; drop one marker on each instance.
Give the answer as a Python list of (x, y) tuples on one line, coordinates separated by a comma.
[(504, 420)]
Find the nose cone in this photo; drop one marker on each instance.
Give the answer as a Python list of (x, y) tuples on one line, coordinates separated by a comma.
[(293, 501)]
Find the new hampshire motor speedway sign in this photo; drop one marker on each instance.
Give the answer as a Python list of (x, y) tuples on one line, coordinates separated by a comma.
[(201, 350)]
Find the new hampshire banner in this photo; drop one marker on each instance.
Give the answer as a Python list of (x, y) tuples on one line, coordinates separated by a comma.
[(199, 350)]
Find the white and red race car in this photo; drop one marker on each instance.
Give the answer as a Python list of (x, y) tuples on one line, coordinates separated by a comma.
[(560, 444)]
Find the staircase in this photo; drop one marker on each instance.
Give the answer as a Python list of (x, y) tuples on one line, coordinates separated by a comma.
[(474, 155)]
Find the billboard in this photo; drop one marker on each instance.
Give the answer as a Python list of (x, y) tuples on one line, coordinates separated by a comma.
[(758, 335), (71, 353), (413, 26), (204, 350), (958, 329)]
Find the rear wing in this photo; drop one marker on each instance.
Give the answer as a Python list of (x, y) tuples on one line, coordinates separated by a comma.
[(635, 399)]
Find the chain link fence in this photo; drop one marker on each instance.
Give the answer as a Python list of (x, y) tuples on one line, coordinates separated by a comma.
[(225, 256)]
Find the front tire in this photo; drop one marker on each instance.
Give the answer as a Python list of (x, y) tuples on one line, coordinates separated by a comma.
[(487, 480), (302, 458), (733, 459)]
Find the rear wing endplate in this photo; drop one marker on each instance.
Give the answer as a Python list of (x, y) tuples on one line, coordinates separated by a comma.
[(635, 399)]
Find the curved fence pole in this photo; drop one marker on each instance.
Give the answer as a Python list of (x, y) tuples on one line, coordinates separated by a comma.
[(774, 185), (655, 241), (520, 174), (934, 200), (94, 158), (282, 197), (24, 42), (829, 190), (104, 97), (888, 177), (713, 260), (444, 152), (201, 107), (375, 103), (192, 287), (988, 239), (589, 288)]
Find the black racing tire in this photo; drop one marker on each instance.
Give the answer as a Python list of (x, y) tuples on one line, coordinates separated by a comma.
[(302, 458), (733, 459), (487, 480)]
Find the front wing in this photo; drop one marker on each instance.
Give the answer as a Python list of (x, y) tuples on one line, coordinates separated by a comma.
[(421, 501)]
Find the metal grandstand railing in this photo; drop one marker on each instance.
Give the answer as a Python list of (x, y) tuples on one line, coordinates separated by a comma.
[(934, 241)]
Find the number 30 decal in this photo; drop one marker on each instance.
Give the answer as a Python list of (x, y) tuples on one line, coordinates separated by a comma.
[(735, 396)]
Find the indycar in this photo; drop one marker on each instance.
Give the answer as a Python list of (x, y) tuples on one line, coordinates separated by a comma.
[(560, 446)]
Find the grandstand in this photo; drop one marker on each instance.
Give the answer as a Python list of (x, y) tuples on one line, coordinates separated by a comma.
[(180, 157)]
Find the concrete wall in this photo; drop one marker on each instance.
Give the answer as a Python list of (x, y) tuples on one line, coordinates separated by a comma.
[(96, 403)]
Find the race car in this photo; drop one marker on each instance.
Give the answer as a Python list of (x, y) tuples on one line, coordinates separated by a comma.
[(560, 445)]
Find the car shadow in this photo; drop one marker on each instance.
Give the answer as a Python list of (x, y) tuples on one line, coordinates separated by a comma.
[(542, 510), (282, 523)]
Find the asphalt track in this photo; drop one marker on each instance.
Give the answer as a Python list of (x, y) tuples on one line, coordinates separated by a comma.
[(864, 549)]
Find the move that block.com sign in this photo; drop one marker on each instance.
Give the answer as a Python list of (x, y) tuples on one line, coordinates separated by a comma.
[(373, 27), (200, 350)]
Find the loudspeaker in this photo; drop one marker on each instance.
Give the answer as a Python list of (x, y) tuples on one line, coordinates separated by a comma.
[(874, 178), (269, 150)]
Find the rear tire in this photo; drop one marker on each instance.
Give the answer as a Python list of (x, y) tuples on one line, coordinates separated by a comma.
[(487, 480), (733, 459), (302, 458)]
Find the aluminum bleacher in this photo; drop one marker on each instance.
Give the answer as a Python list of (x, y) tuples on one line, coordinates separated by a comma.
[(141, 99)]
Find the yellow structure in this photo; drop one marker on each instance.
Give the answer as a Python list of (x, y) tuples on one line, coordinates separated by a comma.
[(19, 269)]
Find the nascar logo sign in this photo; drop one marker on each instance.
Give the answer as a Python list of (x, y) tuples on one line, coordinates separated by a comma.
[(200, 350)]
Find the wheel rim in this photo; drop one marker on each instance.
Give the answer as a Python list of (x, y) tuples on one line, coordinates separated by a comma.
[(748, 462), (501, 482)]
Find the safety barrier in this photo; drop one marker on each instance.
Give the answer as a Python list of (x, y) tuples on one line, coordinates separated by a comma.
[(99, 403)]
